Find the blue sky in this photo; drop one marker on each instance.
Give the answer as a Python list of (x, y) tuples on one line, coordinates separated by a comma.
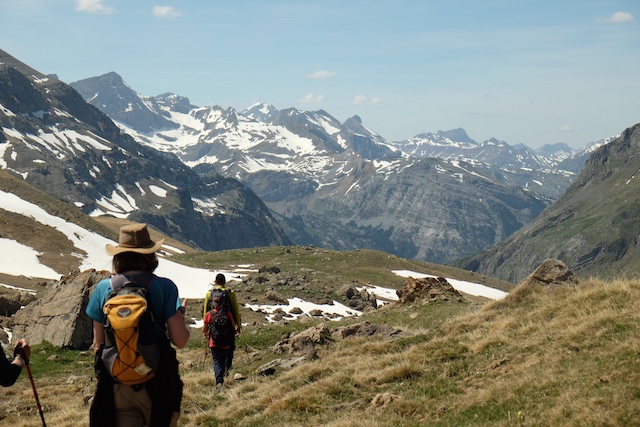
[(531, 72)]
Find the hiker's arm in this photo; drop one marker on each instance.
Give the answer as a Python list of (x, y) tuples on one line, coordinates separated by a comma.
[(178, 331), (236, 329), (9, 372), (205, 325), (98, 336), (235, 308), (206, 303)]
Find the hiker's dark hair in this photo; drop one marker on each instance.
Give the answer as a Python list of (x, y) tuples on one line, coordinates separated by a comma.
[(220, 279), (132, 261)]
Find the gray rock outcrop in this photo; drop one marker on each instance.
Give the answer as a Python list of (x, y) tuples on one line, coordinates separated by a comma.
[(551, 272), (428, 289), (59, 316)]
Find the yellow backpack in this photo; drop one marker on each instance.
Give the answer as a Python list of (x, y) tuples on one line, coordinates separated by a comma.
[(131, 352)]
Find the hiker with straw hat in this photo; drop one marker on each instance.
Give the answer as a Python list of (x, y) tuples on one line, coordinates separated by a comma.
[(155, 402)]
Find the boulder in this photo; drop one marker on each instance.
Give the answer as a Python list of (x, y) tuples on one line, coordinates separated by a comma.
[(12, 300), (304, 342), (359, 300), (271, 368), (428, 289), (551, 272), (59, 316), (275, 297), (366, 329)]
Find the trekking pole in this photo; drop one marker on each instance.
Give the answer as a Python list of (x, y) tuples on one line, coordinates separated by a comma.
[(33, 384)]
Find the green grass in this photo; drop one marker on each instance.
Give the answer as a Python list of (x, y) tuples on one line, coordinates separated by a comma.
[(47, 360), (560, 356), (357, 266)]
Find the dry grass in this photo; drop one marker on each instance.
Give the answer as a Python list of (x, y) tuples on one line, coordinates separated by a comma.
[(541, 357)]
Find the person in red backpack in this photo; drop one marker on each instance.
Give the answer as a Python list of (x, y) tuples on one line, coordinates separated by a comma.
[(220, 328), (220, 284)]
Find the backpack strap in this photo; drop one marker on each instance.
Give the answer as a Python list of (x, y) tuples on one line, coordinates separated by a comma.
[(143, 279)]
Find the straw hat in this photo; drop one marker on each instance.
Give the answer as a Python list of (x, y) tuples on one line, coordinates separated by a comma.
[(134, 238)]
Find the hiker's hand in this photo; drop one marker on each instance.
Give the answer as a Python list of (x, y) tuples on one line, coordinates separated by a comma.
[(23, 350)]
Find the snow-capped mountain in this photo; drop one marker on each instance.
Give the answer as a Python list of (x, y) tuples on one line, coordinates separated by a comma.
[(55, 141), (456, 144), (338, 185)]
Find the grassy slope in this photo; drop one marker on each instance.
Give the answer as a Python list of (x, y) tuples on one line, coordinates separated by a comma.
[(363, 266), (550, 357)]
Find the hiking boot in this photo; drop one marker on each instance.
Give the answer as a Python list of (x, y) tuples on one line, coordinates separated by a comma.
[(219, 388)]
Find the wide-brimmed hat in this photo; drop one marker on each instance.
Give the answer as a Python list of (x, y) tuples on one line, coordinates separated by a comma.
[(134, 238)]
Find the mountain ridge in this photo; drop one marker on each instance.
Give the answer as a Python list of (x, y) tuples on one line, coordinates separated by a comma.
[(300, 163), (68, 148), (593, 227)]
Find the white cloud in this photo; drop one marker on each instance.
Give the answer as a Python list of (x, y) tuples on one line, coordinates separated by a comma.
[(165, 12), (310, 97), (321, 74), (93, 6), (566, 128), (620, 17), (365, 100)]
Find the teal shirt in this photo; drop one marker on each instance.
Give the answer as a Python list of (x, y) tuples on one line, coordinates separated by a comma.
[(164, 300)]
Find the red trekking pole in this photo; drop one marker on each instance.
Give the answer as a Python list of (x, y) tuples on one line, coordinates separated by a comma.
[(19, 351)]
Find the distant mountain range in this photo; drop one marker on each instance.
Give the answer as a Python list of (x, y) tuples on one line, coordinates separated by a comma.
[(435, 197), (217, 178)]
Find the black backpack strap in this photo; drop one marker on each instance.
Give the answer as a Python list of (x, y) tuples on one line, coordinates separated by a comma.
[(143, 279)]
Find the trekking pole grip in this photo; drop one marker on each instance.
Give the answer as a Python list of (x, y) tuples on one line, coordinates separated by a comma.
[(19, 351)]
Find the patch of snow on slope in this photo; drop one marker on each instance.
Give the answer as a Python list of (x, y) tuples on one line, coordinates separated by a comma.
[(91, 243), (383, 295), (18, 259), (306, 307), (467, 287), (3, 149), (457, 164), (160, 192), (191, 282), (324, 124), (120, 204)]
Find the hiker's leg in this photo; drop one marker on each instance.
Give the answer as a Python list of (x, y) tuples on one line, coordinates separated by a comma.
[(230, 356), (219, 356), (214, 362), (133, 408)]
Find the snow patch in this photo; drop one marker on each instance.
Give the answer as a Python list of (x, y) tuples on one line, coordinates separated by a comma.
[(470, 288)]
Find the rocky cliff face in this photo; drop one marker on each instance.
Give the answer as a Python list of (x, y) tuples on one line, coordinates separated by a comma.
[(427, 210), (593, 228), (60, 144)]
